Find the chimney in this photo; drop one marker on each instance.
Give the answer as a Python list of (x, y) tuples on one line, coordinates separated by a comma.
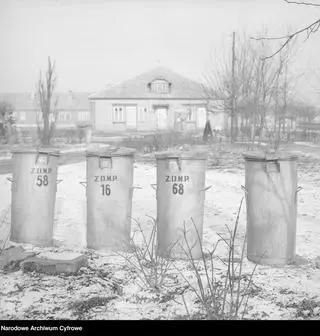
[(70, 97)]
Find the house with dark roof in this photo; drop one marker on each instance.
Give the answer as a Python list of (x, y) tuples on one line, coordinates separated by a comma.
[(73, 108), (159, 99)]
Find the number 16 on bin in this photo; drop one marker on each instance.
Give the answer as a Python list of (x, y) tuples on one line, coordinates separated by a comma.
[(105, 189)]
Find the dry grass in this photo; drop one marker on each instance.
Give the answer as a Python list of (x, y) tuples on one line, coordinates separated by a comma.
[(308, 308), (162, 141), (4, 232), (82, 307), (152, 269)]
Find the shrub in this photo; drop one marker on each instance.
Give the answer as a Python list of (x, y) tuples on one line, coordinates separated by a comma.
[(163, 140), (4, 228), (151, 269), (218, 298)]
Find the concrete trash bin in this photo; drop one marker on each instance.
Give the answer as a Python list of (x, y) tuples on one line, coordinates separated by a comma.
[(271, 194), (109, 197), (180, 203), (33, 194)]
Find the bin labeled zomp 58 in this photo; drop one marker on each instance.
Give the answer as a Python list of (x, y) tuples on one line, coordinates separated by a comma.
[(34, 187)]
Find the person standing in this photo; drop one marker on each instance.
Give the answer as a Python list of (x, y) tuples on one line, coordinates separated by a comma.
[(207, 133)]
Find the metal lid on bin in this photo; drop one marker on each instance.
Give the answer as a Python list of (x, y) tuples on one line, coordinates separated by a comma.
[(31, 150), (110, 152), (269, 156), (188, 155)]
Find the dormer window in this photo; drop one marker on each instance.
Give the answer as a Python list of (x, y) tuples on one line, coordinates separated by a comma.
[(159, 86)]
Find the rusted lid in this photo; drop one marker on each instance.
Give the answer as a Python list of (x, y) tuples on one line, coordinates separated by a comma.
[(269, 156), (187, 155), (110, 152), (32, 150)]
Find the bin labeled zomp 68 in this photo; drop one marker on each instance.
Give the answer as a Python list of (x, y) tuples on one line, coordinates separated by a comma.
[(180, 203)]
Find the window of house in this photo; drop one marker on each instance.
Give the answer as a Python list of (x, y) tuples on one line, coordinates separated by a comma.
[(52, 117), (64, 116), (143, 114), (22, 115), (119, 113), (83, 116), (39, 116), (191, 115), (159, 86)]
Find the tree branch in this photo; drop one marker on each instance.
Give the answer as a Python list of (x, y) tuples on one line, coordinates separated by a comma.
[(312, 28), (302, 3)]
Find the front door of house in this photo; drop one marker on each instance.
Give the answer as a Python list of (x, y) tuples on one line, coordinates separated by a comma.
[(131, 113), (162, 117), (201, 117)]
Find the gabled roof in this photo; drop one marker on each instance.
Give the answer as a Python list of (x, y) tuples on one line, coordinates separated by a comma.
[(66, 100), (136, 88)]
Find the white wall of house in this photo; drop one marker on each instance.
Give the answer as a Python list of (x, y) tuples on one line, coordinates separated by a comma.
[(66, 118), (111, 115)]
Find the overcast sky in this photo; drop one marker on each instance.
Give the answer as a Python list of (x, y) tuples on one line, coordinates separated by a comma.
[(99, 42)]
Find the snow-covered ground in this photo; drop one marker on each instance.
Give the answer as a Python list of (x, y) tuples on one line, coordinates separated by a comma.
[(276, 290)]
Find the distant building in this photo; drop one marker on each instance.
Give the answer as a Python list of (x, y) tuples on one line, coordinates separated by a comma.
[(73, 108), (159, 99)]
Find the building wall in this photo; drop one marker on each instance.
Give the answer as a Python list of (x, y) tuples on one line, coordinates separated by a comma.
[(103, 114), (25, 117), (66, 118)]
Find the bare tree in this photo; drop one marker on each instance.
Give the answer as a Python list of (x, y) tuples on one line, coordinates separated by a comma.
[(7, 119), (277, 93), (47, 118), (258, 85)]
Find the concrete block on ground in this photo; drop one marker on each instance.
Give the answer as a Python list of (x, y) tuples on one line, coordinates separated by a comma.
[(12, 257), (54, 266)]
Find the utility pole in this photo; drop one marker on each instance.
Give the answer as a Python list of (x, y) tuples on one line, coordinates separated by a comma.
[(234, 124), (285, 93)]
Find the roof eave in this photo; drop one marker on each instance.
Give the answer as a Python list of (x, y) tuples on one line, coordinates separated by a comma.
[(151, 98)]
